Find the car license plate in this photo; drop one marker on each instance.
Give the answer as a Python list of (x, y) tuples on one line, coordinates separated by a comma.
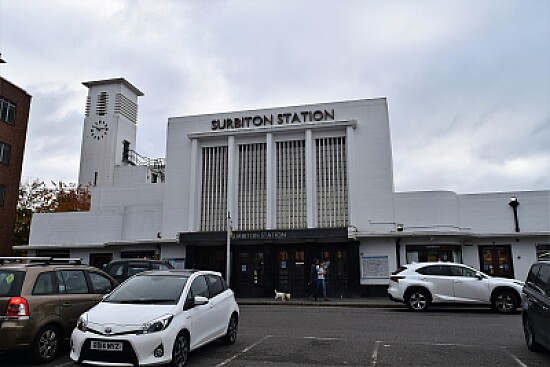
[(108, 346)]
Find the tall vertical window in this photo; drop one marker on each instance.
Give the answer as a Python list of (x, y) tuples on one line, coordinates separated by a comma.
[(332, 182), (101, 104), (214, 188), (291, 184), (2, 194), (7, 111), (5, 151), (252, 202)]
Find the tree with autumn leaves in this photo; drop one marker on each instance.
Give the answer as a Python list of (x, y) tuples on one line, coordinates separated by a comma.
[(36, 197)]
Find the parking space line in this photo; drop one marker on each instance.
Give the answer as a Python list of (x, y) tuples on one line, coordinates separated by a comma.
[(515, 358), (374, 355), (243, 351), (320, 338), (64, 364)]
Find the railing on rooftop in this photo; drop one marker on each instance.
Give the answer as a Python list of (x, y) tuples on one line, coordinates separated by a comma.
[(155, 165)]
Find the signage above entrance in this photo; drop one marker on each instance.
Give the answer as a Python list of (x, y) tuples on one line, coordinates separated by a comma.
[(267, 235), (279, 119)]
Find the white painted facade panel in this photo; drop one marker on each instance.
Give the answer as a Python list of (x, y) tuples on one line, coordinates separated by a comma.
[(491, 213), (427, 211), (81, 228)]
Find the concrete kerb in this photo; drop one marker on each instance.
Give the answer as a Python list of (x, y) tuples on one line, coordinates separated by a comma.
[(338, 302)]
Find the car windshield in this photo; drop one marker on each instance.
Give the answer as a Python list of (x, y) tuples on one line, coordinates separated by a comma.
[(149, 289), (10, 283)]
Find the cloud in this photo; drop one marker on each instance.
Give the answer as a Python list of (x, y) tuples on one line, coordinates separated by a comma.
[(467, 82)]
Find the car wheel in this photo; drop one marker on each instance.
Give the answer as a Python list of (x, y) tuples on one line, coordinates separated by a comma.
[(46, 345), (529, 336), (418, 300), (180, 353), (231, 336), (505, 302)]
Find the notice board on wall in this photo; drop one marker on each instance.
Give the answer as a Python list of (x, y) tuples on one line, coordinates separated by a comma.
[(374, 267)]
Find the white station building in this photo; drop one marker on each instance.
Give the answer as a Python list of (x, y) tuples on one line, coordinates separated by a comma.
[(299, 182)]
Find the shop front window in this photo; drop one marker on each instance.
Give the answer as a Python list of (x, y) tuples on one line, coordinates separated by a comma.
[(543, 251), (431, 253)]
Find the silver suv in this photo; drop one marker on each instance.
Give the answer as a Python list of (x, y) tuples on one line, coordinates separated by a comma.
[(41, 300), (419, 285)]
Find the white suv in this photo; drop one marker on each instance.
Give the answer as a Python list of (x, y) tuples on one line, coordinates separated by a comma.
[(420, 284), (156, 317)]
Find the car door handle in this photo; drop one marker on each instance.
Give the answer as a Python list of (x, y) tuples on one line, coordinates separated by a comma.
[(457, 281), (66, 304)]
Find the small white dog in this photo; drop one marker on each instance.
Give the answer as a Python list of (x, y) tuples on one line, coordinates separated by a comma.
[(282, 296)]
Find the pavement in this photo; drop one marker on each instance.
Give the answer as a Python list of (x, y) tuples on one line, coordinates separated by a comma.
[(364, 302)]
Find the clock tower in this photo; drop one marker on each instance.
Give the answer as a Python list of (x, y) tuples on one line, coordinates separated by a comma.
[(110, 126)]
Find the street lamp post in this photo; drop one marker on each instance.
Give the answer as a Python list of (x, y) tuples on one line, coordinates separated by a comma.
[(514, 203), (228, 248)]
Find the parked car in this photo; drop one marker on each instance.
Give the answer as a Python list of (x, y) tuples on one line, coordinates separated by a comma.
[(157, 317), (419, 285), (536, 307), (125, 268), (40, 301)]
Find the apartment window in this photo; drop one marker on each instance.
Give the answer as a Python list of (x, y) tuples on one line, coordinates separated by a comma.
[(5, 150), (2, 191), (7, 111)]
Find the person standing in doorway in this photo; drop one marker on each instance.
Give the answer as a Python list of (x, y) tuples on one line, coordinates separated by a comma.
[(312, 289), (321, 273)]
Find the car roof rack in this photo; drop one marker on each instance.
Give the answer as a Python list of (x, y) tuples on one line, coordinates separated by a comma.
[(40, 259)]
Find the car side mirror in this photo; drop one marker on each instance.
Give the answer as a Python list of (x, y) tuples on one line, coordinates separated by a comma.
[(195, 301), (200, 300), (479, 276)]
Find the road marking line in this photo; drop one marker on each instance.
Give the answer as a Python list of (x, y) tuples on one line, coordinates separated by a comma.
[(515, 358), (374, 355), (243, 351), (64, 364), (433, 344), (319, 338)]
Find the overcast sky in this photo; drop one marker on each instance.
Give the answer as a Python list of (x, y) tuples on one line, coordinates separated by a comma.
[(467, 82)]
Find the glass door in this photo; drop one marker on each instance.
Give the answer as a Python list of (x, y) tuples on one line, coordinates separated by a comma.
[(301, 274), (249, 272), (496, 260)]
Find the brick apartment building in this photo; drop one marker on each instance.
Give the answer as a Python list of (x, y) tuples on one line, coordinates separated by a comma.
[(14, 117)]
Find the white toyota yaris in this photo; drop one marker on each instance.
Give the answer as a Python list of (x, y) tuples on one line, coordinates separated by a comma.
[(156, 318)]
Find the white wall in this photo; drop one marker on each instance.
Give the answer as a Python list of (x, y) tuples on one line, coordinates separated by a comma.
[(490, 212), (75, 228), (377, 247), (129, 175), (427, 210)]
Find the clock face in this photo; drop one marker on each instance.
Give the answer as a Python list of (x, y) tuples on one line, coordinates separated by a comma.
[(99, 130)]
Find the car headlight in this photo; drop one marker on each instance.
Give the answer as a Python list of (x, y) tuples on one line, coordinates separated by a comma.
[(155, 325), (82, 323)]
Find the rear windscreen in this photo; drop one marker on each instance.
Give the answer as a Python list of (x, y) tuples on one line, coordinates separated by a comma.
[(11, 282)]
